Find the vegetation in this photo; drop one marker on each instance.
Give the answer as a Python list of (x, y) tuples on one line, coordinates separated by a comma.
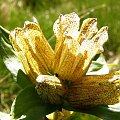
[(14, 12)]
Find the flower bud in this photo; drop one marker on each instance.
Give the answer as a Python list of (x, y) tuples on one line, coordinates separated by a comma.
[(50, 89)]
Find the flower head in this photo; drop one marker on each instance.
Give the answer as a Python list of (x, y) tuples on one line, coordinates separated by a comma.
[(74, 51)]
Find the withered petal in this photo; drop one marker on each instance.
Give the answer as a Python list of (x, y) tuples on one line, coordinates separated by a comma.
[(95, 90)]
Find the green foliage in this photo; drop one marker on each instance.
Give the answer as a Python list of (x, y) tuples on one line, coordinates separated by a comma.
[(5, 34), (8, 86), (29, 104), (98, 66), (103, 112), (32, 106), (23, 80), (7, 54)]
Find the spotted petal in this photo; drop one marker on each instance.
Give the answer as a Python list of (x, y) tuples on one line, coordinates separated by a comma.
[(88, 49), (70, 50), (33, 49), (90, 91), (65, 27), (88, 29)]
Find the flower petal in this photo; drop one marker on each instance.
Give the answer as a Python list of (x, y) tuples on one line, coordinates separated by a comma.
[(88, 29), (88, 49), (39, 45), (31, 42), (101, 37), (95, 90), (28, 68), (70, 49), (65, 27)]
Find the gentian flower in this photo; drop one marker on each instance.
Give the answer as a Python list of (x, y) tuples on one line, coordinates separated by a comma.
[(60, 74)]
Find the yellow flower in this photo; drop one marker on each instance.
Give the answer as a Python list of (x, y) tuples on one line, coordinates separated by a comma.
[(74, 51)]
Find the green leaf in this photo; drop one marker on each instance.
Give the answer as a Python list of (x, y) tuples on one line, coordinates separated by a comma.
[(8, 56), (29, 104), (95, 66), (103, 112), (98, 67), (5, 49), (96, 57), (5, 34), (23, 80)]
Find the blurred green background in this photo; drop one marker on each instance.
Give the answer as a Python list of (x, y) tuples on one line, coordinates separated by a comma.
[(13, 13)]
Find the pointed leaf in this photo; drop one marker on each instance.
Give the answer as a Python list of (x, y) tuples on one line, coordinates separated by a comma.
[(103, 112), (5, 34), (29, 105), (95, 66), (98, 67), (23, 80)]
